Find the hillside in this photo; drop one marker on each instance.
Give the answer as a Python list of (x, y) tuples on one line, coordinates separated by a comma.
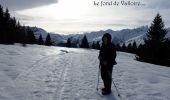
[(125, 35), (54, 73)]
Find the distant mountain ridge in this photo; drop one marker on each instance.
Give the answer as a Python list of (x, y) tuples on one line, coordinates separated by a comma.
[(122, 36)]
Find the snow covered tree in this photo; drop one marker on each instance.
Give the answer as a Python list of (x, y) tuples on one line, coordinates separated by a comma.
[(154, 50), (84, 43), (48, 40), (40, 40)]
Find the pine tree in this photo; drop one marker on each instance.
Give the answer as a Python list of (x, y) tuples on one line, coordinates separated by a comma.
[(98, 45), (48, 40), (6, 27), (1, 25), (134, 47), (12, 32), (118, 48), (30, 37), (129, 48), (40, 40), (93, 45), (166, 52), (68, 44), (1, 12), (124, 47), (153, 50), (157, 32), (84, 43), (7, 16), (21, 34)]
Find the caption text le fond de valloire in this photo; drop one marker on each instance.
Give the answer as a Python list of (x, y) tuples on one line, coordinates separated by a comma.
[(117, 3)]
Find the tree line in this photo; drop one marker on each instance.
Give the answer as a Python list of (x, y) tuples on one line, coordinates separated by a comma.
[(11, 31), (130, 48)]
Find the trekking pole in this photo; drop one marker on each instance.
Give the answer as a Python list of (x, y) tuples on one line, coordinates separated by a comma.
[(116, 88), (97, 87)]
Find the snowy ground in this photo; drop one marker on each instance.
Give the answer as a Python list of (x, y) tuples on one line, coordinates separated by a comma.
[(54, 73)]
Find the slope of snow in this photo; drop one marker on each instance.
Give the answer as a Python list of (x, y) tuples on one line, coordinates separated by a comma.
[(118, 36), (38, 31), (140, 39), (54, 73), (56, 38)]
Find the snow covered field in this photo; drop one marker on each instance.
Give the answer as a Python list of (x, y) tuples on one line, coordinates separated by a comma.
[(55, 73)]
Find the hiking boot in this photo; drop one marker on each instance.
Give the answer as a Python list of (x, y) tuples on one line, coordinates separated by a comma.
[(106, 92), (103, 89)]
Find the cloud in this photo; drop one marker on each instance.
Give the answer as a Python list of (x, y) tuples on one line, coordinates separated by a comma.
[(157, 4), (14, 5), (81, 15)]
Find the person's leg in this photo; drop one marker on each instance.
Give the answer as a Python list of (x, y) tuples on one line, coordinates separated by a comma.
[(104, 75), (108, 81)]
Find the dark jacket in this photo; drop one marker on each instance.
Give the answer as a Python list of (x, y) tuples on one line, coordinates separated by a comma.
[(108, 53)]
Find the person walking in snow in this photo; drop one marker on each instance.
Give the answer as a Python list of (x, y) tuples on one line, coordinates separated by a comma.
[(107, 56)]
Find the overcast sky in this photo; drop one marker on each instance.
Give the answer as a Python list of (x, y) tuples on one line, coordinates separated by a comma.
[(81, 15), (14, 5)]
